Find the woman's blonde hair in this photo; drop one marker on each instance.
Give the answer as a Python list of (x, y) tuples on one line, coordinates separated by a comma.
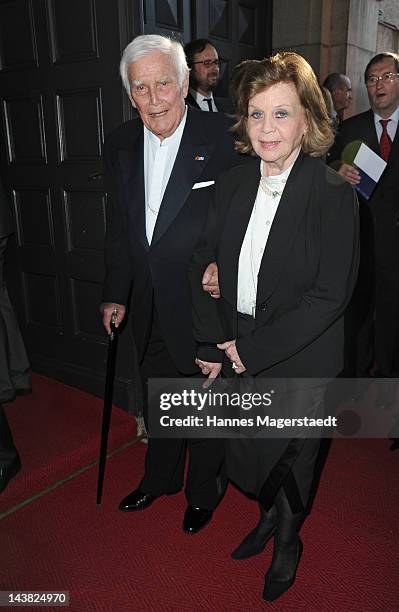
[(253, 76)]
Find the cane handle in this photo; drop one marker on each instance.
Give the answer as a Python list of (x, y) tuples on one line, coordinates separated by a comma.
[(113, 321)]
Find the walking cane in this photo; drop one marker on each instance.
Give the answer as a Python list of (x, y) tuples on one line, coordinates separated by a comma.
[(109, 386)]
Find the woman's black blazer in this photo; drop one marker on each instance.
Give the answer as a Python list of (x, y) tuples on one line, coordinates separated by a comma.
[(306, 278)]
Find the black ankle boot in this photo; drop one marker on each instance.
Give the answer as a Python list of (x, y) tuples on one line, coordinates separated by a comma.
[(282, 572), (255, 542), (287, 550)]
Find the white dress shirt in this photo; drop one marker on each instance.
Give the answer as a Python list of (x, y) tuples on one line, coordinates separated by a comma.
[(255, 240), (159, 159), (391, 126), (201, 100)]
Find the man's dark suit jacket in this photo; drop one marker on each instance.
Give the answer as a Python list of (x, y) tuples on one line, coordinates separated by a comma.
[(379, 261), (6, 223), (222, 104), (159, 272), (306, 277), (384, 202)]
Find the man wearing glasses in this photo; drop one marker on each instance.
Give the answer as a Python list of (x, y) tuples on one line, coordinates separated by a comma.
[(204, 64), (374, 315)]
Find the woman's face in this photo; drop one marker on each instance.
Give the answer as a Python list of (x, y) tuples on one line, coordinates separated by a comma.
[(276, 125)]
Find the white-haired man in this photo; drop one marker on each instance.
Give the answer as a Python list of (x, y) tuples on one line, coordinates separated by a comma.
[(156, 218)]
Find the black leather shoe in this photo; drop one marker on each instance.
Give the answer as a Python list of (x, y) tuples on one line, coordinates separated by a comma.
[(8, 472), (137, 500), (196, 519), (282, 573)]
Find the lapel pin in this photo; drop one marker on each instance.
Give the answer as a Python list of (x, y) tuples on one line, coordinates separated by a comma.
[(199, 157)]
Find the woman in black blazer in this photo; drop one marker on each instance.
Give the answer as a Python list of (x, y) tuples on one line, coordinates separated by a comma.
[(284, 233)]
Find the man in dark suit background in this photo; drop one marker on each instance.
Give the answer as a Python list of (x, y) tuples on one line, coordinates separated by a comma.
[(204, 64), (161, 168), (14, 365), (373, 317)]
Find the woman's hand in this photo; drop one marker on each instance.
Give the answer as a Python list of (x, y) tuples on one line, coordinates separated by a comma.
[(210, 281), (210, 369), (229, 348)]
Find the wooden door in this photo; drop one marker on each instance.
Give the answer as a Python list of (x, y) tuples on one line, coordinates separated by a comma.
[(239, 29), (60, 93)]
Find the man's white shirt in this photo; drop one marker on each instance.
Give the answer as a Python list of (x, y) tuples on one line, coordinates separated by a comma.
[(255, 241), (159, 159), (201, 100)]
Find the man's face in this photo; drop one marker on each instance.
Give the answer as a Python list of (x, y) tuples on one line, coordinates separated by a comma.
[(383, 95), (342, 95), (205, 78), (155, 93)]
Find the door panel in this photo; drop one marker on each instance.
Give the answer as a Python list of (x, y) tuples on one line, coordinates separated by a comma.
[(239, 29), (168, 17), (60, 95)]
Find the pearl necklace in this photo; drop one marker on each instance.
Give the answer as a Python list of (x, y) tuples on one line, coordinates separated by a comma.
[(266, 189)]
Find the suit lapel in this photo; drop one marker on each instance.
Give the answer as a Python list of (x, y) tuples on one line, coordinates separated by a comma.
[(192, 101), (370, 134), (132, 164), (395, 144), (238, 217), (190, 162), (285, 226)]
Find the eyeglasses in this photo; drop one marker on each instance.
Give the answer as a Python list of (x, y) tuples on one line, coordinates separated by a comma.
[(208, 62), (388, 77)]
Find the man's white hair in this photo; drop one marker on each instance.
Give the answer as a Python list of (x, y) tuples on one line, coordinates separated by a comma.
[(148, 43)]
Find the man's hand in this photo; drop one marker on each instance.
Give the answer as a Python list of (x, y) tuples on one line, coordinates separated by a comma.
[(210, 369), (229, 348), (350, 174), (210, 281), (106, 309)]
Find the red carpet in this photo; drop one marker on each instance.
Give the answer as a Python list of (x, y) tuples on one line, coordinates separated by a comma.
[(110, 561), (56, 430)]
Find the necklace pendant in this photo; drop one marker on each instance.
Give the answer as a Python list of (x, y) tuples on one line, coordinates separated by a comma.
[(273, 193)]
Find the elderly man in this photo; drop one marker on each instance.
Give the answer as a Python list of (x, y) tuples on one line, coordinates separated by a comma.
[(340, 88), (204, 64), (161, 168), (373, 318)]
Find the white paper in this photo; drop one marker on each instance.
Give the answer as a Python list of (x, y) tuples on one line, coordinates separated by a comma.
[(371, 163)]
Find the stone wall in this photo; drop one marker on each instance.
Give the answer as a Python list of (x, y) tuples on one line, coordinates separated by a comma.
[(361, 46), (337, 36)]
